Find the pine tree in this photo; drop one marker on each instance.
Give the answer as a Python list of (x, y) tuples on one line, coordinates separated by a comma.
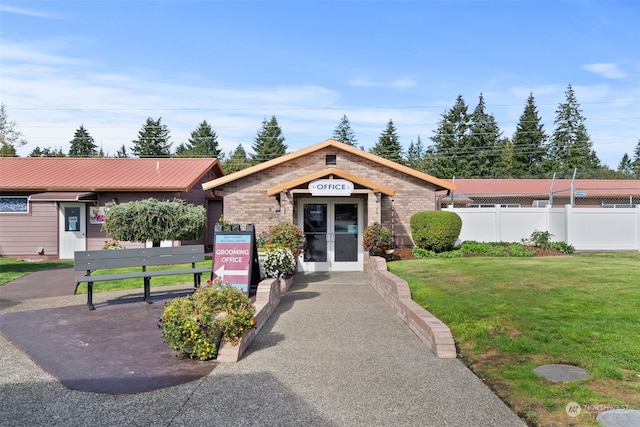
[(122, 152), (450, 140), (153, 140), (388, 145), (269, 143), (415, 155), (236, 160), (529, 142), (625, 167), (482, 152), (82, 144), (571, 146), (505, 164), (635, 164), (47, 152), (10, 138), (344, 133), (202, 143)]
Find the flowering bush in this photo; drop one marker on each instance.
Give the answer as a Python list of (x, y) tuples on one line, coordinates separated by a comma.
[(113, 244), (286, 235), (261, 240), (377, 239), (195, 324), (279, 263)]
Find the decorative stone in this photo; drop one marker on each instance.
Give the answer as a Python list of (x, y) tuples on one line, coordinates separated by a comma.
[(561, 372), (619, 418)]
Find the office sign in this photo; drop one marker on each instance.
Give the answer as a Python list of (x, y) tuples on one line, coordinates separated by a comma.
[(235, 259), (331, 187)]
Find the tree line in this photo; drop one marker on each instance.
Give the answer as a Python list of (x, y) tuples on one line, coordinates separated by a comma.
[(466, 144)]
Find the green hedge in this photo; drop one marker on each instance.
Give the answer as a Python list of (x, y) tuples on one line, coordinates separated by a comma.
[(435, 230)]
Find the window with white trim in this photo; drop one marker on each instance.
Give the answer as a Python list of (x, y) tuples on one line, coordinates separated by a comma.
[(14, 204)]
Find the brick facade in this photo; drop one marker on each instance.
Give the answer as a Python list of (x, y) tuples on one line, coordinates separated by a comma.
[(246, 200)]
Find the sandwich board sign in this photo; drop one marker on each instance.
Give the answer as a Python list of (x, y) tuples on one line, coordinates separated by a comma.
[(235, 258)]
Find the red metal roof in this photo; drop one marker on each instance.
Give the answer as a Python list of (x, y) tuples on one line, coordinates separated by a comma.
[(103, 174), (542, 187)]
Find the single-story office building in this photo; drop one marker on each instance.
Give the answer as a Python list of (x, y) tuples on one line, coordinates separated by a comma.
[(53, 206), (333, 191)]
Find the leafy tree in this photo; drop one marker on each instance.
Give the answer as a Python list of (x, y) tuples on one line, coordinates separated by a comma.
[(269, 143), (344, 133), (236, 160), (82, 144), (154, 220), (122, 152), (450, 140), (571, 146), (529, 142), (505, 166), (47, 152), (153, 140), (10, 138), (482, 145), (388, 145), (202, 143)]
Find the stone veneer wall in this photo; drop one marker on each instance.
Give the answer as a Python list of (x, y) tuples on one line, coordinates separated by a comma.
[(246, 202), (395, 291)]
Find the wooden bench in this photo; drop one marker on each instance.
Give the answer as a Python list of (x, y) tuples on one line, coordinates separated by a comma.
[(120, 258)]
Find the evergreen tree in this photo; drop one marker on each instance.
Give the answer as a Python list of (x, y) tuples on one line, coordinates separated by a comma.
[(344, 133), (635, 164), (82, 144), (122, 152), (571, 146), (202, 143), (450, 140), (47, 152), (481, 153), (388, 145), (625, 167), (236, 160), (269, 143), (153, 140), (10, 138), (529, 142), (415, 155), (505, 165)]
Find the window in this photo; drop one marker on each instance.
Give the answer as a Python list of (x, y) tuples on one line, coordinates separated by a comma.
[(331, 160), (14, 204)]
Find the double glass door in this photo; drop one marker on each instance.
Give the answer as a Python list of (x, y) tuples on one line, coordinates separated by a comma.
[(333, 228)]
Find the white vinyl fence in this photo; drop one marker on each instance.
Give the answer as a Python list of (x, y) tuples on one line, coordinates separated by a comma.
[(585, 229)]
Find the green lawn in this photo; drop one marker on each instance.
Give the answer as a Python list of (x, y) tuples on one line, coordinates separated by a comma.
[(509, 315), (12, 268)]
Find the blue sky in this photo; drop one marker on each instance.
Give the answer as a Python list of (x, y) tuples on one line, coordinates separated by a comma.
[(111, 64)]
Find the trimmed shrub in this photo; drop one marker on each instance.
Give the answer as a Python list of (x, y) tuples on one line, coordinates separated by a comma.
[(435, 230)]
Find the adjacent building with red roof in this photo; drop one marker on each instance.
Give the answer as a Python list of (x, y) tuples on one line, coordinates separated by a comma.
[(53, 206)]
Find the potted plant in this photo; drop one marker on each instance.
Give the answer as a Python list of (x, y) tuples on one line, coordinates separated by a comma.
[(194, 325), (377, 239)]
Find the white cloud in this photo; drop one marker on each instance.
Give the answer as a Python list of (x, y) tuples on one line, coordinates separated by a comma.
[(608, 70), (28, 12)]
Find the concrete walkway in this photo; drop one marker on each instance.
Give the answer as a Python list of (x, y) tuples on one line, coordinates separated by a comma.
[(332, 354)]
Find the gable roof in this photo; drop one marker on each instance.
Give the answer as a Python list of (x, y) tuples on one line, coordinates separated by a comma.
[(103, 174), (331, 171), (440, 184), (542, 187)]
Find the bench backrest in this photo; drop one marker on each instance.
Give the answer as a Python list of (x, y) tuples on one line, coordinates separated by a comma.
[(93, 260)]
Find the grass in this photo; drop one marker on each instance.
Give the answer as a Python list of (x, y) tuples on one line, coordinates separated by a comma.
[(509, 315), (11, 269)]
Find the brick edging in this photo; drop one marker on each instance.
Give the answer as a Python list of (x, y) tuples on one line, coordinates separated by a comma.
[(395, 291)]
